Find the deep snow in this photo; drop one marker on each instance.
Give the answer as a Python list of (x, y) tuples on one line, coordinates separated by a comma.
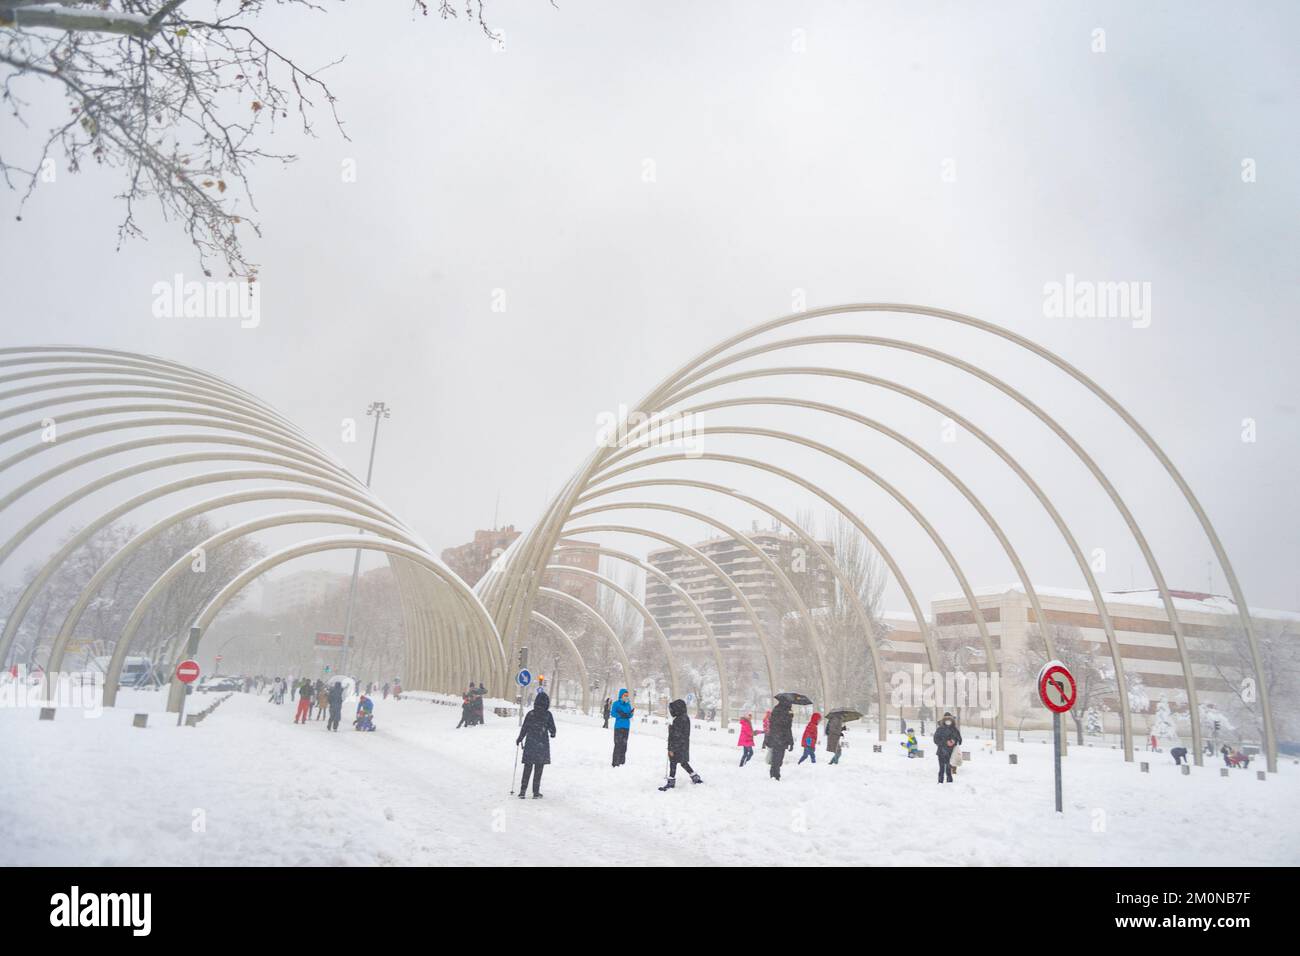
[(248, 786)]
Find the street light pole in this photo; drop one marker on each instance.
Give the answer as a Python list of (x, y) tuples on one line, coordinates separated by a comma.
[(379, 410)]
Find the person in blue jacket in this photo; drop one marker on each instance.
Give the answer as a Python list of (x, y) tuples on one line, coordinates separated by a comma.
[(622, 711)]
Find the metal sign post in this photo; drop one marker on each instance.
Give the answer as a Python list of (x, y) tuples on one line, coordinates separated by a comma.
[(187, 672), (522, 679), (1058, 691)]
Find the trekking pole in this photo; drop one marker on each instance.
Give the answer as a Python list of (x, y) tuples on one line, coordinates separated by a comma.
[(514, 770)]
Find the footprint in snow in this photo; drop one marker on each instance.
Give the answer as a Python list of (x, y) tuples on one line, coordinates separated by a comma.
[(388, 813)]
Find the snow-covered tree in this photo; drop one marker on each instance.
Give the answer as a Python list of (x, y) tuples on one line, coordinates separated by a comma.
[(179, 95), (1163, 726)]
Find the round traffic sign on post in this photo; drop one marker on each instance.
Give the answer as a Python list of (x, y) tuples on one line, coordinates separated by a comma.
[(187, 672), (1056, 687), (524, 677)]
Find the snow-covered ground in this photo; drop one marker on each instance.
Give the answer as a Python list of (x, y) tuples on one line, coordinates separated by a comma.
[(248, 786)]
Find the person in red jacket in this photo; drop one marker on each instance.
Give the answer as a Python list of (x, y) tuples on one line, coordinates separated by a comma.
[(810, 739)]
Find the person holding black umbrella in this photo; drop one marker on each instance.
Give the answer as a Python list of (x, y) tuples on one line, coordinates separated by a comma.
[(946, 738), (780, 735), (834, 730)]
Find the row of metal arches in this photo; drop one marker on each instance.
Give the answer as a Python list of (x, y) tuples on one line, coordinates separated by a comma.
[(511, 589), (452, 637), (45, 381)]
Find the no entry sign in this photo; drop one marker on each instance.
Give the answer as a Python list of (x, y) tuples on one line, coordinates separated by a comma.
[(187, 672), (1056, 687), (1058, 691)]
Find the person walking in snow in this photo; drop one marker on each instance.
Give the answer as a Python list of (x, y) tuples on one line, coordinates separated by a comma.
[(466, 708), (779, 736), (622, 710), (746, 738), (809, 739), (604, 712), (322, 699), (947, 736), (535, 735), (679, 745), (336, 705), (304, 702), (834, 730), (385, 690), (479, 694)]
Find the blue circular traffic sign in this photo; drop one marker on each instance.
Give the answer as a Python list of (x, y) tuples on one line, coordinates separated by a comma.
[(524, 677)]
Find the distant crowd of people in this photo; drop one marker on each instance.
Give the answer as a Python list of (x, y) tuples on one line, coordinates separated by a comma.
[(321, 700)]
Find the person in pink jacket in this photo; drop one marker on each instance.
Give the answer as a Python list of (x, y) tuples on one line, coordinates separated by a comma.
[(746, 739)]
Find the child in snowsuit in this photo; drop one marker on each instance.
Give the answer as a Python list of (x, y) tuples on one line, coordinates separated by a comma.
[(809, 739), (535, 734), (365, 714), (746, 738), (679, 745), (946, 739), (910, 744)]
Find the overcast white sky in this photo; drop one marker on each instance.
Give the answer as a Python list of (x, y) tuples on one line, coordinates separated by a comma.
[(776, 170)]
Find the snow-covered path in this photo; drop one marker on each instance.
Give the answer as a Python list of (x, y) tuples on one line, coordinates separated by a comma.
[(265, 791)]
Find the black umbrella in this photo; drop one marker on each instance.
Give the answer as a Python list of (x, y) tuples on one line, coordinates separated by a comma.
[(844, 715), (794, 697)]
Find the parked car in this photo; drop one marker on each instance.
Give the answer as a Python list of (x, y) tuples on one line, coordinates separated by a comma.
[(222, 684)]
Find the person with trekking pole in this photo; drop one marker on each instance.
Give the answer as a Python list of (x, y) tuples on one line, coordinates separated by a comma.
[(535, 736)]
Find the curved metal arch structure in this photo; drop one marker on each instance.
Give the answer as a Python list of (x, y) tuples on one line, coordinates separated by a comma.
[(677, 589), (564, 597), (563, 636), (509, 591), (455, 634), (450, 637)]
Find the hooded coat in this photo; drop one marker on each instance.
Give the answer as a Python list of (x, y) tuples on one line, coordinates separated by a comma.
[(834, 728), (537, 731), (780, 733), (679, 732), (746, 737), (809, 738), (945, 734), (621, 711)]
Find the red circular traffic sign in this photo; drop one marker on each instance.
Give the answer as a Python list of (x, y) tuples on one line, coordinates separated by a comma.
[(187, 672), (1056, 687)]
